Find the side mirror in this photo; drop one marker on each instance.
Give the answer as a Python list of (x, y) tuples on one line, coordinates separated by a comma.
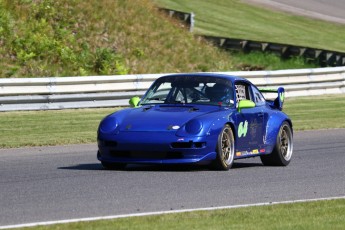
[(245, 104), (134, 101)]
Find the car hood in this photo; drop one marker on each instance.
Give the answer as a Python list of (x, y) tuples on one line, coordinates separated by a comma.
[(162, 117)]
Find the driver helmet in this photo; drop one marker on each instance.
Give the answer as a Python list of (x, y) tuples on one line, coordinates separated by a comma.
[(219, 93)]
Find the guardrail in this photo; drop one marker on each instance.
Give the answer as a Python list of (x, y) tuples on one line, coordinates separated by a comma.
[(186, 18), (321, 57), (109, 91)]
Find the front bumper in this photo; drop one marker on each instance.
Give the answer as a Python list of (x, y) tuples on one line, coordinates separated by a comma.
[(155, 148)]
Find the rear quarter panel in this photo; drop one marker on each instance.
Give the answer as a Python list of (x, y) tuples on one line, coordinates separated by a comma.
[(274, 120)]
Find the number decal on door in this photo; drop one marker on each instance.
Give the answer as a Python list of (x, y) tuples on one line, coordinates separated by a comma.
[(242, 129)]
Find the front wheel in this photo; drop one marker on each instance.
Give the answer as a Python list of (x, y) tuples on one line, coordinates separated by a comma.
[(282, 152), (225, 149)]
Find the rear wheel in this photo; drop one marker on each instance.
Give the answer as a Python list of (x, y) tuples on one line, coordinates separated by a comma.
[(282, 152), (113, 166), (225, 149)]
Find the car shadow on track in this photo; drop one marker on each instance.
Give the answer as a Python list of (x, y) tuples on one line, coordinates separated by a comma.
[(246, 165), (165, 168), (91, 167)]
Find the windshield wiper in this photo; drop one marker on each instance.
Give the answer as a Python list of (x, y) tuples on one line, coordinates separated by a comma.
[(147, 107), (193, 109), (156, 99)]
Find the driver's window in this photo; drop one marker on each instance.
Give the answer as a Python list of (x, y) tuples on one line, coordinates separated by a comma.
[(242, 92), (258, 97)]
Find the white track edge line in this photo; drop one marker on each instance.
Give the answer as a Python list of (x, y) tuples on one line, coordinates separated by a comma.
[(163, 212)]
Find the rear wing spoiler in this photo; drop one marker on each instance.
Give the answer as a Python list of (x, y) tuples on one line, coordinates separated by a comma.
[(279, 101)]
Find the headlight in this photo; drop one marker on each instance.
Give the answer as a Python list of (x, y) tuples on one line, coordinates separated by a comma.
[(108, 125), (193, 126)]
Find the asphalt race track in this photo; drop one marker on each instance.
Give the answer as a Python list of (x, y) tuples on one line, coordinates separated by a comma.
[(67, 182)]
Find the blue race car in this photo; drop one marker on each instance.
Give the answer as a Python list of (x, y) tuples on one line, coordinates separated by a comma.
[(199, 118)]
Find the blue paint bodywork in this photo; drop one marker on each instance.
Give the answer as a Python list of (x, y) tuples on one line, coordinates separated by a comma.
[(159, 131)]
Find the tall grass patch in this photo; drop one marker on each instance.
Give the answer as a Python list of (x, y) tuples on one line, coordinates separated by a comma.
[(47, 38), (74, 37)]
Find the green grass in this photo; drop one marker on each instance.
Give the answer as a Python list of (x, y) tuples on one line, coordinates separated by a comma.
[(104, 37), (36, 128), (97, 37), (319, 112), (309, 215), (261, 61), (235, 19)]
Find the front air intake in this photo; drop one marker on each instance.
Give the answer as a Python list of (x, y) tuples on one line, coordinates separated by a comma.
[(188, 145)]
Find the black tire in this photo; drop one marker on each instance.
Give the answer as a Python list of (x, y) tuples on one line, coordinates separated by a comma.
[(283, 149), (225, 149), (113, 166)]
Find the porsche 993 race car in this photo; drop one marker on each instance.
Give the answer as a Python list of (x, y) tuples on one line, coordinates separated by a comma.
[(198, 119)]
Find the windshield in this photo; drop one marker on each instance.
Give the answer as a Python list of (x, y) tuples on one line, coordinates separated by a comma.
[(190, 90)]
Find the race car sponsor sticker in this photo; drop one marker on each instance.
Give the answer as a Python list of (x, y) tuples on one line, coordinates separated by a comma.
[(282, 96), (247, 153)]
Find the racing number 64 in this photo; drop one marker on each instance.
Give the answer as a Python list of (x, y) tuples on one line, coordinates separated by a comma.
[(242, 129)]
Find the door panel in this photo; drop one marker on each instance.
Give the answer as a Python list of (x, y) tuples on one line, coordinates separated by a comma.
[(249, 122), (249, 129)]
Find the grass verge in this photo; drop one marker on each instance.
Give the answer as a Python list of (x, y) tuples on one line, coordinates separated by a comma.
[(308, 215), (236, 19), (37, 128), (318, 112), (263, 61), (59, 127)]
